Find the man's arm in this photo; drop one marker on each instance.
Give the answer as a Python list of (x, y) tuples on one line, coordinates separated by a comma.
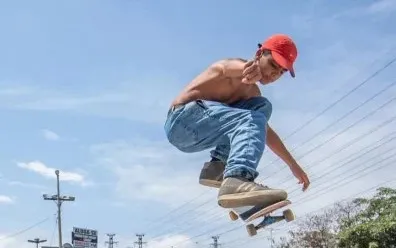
[(277, 146)]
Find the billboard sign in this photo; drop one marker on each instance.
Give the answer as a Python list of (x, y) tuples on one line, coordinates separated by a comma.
[(84, 238)]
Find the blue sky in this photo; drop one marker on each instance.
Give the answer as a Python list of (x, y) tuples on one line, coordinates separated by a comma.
[(85, 87)]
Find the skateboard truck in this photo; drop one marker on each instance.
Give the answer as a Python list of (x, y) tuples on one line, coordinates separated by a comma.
[(288, 215), (248, 216)]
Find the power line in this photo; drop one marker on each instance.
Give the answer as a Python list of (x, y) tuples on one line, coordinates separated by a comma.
[(331, 189), (338, 101), (343, 97), (243, 224), (332, 105), (24, 230), (353, 141), (366, 190), (372, 130)]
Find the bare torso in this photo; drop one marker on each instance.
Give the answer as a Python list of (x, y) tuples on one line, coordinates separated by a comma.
[(225, 90)]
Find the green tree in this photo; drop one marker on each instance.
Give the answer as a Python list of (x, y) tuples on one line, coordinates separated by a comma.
[(362, 223), (374, 225)]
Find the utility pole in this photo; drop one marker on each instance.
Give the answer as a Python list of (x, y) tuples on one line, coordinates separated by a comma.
[(37, 241), (271, 237), (59, 200), (215, 243), (140, 240), (111, 241)]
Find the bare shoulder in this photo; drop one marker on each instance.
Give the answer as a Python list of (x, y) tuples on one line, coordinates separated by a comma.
[(230, 67), (231, 62), (234, 62)]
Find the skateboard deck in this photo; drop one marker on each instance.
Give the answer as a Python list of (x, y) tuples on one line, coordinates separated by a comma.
[(257, 211)]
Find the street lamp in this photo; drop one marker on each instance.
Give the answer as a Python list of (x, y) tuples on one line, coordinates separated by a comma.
[(59, 199), (37, 241)]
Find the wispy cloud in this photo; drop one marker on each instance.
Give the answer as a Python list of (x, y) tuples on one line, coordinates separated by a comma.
[(126, 101), (6, 199), (183, 241), (379, 8), (13, 242), (50, 135), (151, 171), (15, 91), (18, 238), (382, 6), (49, 172), (167, 241), (335, 56), (26, 185)]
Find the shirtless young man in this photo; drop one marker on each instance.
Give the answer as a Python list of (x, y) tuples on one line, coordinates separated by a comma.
[(222, 108)]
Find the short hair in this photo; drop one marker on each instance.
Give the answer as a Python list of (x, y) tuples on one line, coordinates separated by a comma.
[(265, 51)]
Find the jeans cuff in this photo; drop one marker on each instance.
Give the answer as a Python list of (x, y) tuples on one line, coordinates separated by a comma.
[(248, 174), (217, 156)]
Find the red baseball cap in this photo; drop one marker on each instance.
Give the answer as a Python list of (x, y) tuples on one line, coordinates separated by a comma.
[(283, 50)]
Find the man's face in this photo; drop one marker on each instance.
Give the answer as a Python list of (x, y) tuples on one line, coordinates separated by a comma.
[(270, 70)]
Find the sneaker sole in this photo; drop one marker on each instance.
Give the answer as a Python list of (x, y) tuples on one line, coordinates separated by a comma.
[(262, 197), (210, 183)]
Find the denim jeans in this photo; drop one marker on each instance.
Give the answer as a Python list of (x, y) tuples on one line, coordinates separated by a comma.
[(236, 132)]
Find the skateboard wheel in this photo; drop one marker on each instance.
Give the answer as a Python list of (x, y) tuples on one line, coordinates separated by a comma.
[(289, 215), (233, 216), (251, 229)]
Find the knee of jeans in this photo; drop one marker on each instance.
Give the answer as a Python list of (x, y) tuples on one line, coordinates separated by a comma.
[(265, 108)]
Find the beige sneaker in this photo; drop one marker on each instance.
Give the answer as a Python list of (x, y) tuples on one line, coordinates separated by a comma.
[(239, 192)]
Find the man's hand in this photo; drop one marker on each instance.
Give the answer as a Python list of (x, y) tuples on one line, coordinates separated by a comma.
[(299, 173), (277, 146), (251, 72)]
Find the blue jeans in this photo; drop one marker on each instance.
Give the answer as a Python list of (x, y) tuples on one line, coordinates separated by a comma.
[(237, 132)]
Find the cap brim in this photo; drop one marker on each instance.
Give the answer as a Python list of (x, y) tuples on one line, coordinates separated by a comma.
[(283, 62)]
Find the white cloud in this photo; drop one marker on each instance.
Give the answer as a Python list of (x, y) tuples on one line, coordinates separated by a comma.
[(181, 241), (110, 103), (13, 242), (50, 135), (167, 241), (379, 8), (382, 6), (151, 171), (16, 91), (25, 185), (18, 238), (6, 199), (142, 169), (48, 172)]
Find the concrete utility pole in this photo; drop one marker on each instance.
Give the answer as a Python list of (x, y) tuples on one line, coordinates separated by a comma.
[(140, 240), (111, 242), (271, 237), (215, 243), (59, 199), (37, 241)]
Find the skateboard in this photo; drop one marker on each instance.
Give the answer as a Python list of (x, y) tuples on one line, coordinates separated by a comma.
[(257, 212)]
